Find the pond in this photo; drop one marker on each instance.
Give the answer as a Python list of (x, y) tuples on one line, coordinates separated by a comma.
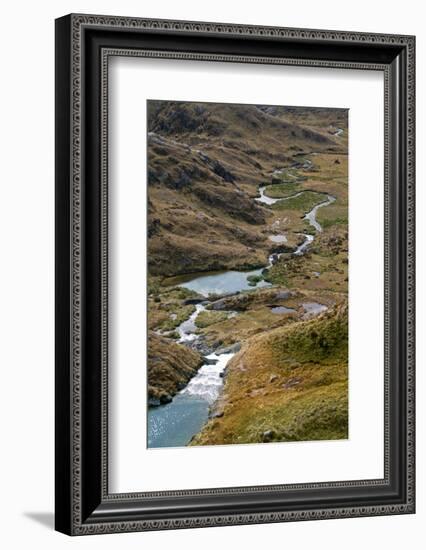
[(222, 282), (279, 310)]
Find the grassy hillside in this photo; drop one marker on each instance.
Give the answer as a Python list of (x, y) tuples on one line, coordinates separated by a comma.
[(205, 164), (290, 384)]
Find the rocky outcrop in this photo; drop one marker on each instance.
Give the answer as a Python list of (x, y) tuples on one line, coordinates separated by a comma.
[(242, 301), (170, 367), (233, 348)]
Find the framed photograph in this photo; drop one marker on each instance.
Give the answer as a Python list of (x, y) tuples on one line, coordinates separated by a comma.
[(234, 274)]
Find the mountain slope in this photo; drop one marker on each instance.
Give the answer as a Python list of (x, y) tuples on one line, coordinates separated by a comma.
[(205, 163)]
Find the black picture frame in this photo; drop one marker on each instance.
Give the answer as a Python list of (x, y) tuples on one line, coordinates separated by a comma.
[(83, 504)]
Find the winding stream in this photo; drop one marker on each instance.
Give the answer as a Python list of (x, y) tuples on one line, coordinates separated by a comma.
[(186, 330), (311, 216), (174, 424)]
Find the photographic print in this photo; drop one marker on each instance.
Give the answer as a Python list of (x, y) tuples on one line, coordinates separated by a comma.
[(248, 252)]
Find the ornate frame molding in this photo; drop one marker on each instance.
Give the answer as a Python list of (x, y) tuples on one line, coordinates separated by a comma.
[(76, 26)]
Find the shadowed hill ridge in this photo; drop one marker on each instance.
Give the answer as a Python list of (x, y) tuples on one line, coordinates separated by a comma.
[(205, 164)]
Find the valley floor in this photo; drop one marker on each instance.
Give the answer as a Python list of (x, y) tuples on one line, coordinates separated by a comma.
[(287, 380)]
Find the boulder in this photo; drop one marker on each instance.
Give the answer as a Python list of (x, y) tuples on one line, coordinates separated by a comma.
[(165, 398), (194, 301), (268, 436), (283, 295), (153, 402), (219, 305), (210, 361), (233, 348), (291, 382)]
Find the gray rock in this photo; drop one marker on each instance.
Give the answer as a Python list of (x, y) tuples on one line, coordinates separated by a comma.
[(153, 402), (164, 399), (194, 301), (283, 295), (234, 348), (273, 377), (291, 382), (201, 346), (268, 436), (217, 414), (218, 305), (209, 361), (274, 258)]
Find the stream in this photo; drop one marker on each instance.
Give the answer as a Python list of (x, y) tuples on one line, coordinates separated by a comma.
[(174, 424)]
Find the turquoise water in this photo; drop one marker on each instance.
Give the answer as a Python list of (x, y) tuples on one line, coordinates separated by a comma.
[(174, 424), (282, 309), (224, 282)]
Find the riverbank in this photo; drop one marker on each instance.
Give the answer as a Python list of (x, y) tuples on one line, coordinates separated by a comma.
[(170, 368), (288, 384)]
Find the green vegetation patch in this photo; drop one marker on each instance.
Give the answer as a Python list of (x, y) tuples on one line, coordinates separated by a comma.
[(282, 190), (305, 201), (281, 272), (254, 279), (320, 414), (326, 223), (309, 229), (207, 318), (287, 175), (167, 308), (320, 341), (171, 315), (316, 414)]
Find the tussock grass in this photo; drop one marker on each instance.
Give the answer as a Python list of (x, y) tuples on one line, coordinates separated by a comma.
[(207, 318), (289, 384), (166, 306)]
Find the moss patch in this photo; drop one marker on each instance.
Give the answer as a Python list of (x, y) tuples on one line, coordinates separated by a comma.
[(282, 190), (305, 201)]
